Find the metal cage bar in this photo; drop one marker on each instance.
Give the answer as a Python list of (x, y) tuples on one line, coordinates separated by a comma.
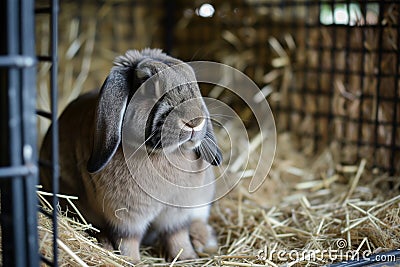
[(19, 156), (378, 84), (18, 159), (396, 103), (53, 164), (54, 125)]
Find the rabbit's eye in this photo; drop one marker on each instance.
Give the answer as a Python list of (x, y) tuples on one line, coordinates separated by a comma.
[(165, 114), (161, 113)]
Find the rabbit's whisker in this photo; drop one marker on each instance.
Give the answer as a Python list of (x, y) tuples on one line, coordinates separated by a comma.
[(211, 140)]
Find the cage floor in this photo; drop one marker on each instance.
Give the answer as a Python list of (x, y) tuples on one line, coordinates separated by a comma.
[(308, 211)]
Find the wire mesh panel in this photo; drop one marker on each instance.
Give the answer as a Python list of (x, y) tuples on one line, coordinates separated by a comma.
[(18, 155), (329, 68)]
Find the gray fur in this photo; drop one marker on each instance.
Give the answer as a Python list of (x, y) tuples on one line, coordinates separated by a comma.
[(93, 167)]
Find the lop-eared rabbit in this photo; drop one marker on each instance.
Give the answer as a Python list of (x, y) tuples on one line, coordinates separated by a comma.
[(120, 195)]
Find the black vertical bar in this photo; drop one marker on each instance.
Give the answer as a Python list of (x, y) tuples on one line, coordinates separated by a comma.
[(29, 149), (54, 125), (343, 119), (3, 84), (318, 91), (4, 136), (378, 83), (18, 139), (278, 109), (345, 142), (12, 208), (169, 24), (332, 89), (13, 43), (291, 109), (306, 69), (362, 77), (395, 126)]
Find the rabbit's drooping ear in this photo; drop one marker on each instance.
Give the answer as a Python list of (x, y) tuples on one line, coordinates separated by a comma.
[(208, 148), (109, 114)]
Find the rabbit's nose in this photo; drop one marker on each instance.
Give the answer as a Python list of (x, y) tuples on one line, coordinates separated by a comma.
[(195, 124)]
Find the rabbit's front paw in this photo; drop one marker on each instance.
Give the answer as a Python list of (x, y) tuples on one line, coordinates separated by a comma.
[(178, 241), (203, 237), (130, 247)]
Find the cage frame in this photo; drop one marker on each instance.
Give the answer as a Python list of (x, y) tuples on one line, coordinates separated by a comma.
[(19, 173)]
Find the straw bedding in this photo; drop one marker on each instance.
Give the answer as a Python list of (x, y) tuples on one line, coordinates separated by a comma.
[(304, 205), (309, 202)]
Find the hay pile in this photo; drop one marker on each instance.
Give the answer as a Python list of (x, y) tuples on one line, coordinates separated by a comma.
[(304, 205)]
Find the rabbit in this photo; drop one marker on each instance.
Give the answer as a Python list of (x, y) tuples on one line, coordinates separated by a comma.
[(178, 130)]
